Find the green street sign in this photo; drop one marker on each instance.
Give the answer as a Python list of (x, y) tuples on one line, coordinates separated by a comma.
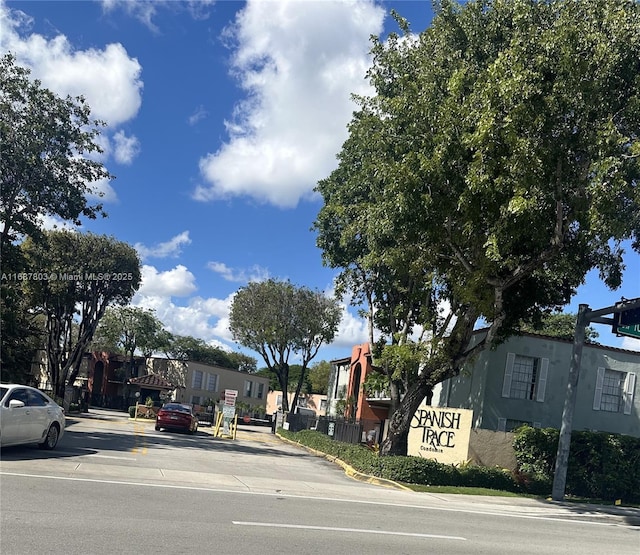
[(629, 331)]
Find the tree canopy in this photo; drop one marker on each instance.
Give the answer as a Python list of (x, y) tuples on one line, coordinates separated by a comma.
[(127, 329), (75, 277), (47, 168), (277, 320), (559, 325), (496, 163), (185, 347), (44, 167)]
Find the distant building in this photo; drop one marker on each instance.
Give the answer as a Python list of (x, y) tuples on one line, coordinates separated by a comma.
[(308, 401)]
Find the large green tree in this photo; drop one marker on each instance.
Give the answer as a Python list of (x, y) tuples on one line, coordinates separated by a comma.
[(559, 324), (45, 164), (277, 320), (74, 278), (47, 168), (496, 163)]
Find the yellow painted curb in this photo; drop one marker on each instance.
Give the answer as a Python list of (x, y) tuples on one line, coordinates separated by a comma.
[(349, 470)]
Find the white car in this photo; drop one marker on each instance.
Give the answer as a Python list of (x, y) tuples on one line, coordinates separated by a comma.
[(29, 416)]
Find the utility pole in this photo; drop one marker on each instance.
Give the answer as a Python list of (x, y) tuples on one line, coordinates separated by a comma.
[(564, 441), (626, 313)]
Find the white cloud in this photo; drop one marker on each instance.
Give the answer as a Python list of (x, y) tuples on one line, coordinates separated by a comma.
[(145, 10), (630, 344), (126, 148), (205, 319), (298, 63), (108, 78), (198, 115), (256, 273), (171, 248), (141, 10), (177, 282)]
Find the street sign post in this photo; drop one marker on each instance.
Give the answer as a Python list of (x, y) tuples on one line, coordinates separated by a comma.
[(626, 318), (627, 323)]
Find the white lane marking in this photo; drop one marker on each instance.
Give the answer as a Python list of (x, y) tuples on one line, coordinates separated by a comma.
[(113, 457), (70, 453), (351, 530), (311, 498)]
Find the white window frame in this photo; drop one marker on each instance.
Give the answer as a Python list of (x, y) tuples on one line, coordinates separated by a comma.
[(540, 375), (627, 390)]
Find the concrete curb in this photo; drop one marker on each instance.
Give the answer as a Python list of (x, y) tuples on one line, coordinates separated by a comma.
[(349, 470)]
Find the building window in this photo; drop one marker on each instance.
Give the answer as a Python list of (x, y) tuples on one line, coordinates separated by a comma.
[(195, 400), (247, 388), (612, 384), (525, 377), (279, 399), (614, 391), (212, 382), (197, 380), (260, 390), (323, 404)]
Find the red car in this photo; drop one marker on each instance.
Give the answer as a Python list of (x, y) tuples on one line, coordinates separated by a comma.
[(175, 416)]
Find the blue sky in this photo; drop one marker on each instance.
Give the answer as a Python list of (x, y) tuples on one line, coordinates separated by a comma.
[(221, 118)]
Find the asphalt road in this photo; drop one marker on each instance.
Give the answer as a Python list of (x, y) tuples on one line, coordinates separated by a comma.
[(117, 486)]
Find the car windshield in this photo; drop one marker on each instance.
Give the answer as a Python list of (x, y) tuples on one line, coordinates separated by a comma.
[(177, 408)]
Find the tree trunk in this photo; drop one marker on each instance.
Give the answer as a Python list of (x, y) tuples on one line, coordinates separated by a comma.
[(282, 371), (400, 422), (294, 403)]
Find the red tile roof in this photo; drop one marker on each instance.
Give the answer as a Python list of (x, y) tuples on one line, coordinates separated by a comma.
[(152, 381)]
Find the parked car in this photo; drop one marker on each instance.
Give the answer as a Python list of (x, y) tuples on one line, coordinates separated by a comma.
[(29, 416), (176, 416)]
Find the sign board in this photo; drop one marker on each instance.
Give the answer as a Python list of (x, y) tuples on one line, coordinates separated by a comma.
[(440, 433), (228, 412), (230, 396), (627, 323)]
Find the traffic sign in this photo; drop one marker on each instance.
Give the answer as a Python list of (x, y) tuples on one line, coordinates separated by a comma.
[(630, 317), (627, 323), (629, 331)]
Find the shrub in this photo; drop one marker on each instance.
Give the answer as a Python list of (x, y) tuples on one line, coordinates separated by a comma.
[(132, 411), (601, 465), (410, 470)]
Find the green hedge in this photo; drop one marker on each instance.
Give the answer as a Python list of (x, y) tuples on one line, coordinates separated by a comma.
[(601, 465), (415, 470)]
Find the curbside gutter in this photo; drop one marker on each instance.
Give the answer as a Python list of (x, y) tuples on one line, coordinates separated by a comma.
[(349, 470)]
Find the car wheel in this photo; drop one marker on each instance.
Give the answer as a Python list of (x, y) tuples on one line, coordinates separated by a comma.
[(157, 428), (52, 438)]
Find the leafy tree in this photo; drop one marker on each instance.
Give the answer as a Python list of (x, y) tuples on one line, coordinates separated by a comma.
[(319, 374), (44, 168), (127, 329), (495, 165), (185, 347), (77, 277), (559, 325), (277, 319), (242, 362)]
